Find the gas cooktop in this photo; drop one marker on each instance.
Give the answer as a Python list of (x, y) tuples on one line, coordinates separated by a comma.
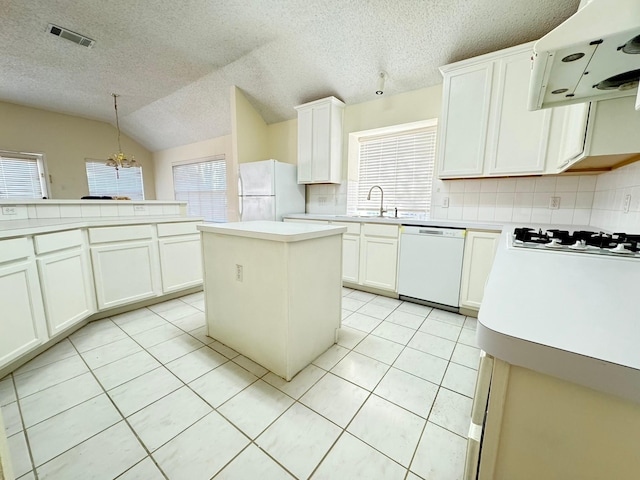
[(580, 241)]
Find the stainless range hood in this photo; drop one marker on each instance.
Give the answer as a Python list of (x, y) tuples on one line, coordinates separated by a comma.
[(593, 55)]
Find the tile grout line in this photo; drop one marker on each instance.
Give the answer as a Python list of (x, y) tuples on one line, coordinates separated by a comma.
[(24, 429)]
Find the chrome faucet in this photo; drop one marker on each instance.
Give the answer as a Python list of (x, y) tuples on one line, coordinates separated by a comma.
[(382, 210)]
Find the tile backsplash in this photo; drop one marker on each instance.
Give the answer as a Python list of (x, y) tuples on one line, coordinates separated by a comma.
[(616, 204), (516, 199), (327, 199)]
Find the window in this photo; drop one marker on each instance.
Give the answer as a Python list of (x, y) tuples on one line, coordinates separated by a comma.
[(204, 186), (401, 161), (106, 181), (22, 175)]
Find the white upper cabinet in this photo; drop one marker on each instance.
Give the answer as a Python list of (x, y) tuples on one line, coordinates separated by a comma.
[(465, 113), (320, 141), (486, 129)]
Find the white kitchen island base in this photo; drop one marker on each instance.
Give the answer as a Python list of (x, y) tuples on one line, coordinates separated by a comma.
[(273, 290)]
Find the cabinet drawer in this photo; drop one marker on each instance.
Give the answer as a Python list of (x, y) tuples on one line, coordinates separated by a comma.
[(379, 230), (178, 228), (352, 227), (14, 249), (117, 234), (51, 242)]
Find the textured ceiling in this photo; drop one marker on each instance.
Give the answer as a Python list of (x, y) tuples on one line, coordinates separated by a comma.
[(173, 62)]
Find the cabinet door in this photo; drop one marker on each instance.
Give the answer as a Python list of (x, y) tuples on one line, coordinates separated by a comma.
[(22, 316), (465, 114), (379, 262), (305, 145), (180, 262), (66, 289), (574, 133), (321, 156), (125, 272), (479, 251), (350, 258), (519, 137)]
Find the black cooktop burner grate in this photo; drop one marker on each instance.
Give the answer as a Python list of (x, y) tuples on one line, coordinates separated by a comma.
[(579, 240)]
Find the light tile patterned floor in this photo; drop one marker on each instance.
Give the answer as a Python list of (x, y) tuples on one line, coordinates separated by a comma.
[(146, 395)]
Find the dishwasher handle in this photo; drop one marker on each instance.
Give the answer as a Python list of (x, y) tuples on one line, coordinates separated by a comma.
[(435, 232)]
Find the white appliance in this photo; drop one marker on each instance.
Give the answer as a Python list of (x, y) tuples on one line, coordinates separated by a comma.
[(593, 55), (269, 189), (430, 265)]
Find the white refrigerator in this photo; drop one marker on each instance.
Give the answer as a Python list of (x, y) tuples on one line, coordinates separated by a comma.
[(269, 189)]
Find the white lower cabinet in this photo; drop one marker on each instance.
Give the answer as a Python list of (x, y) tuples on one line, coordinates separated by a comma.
[(350, 251), (126, 269), (379, 256), (22, 314), (65, 279), (66, 289), (479, 251), (180, 256)]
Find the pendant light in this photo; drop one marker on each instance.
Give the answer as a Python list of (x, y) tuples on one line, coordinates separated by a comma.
[(119, 160)]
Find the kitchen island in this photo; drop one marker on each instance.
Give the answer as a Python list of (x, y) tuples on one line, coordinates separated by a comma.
[(273, 290), (561, 331)]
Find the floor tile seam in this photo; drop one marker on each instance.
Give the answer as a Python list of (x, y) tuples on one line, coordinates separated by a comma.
[(346, 429), (377, 359), (445, 322), (424, 427), (55, 384), (138, 463), (124, 418), (440, 336), (110, 342), (24, 428), (462, 364), (260, 377), (402, 407), (42, 366), (151, 452), (326, 454), (67, 409), (385, 338), (253, 442), (79, 443), (429, 353), (454, 391), (227, 360), (178, 357), (181, 317)]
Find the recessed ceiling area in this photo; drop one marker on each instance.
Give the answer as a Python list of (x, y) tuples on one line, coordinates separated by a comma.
[(173, 63)]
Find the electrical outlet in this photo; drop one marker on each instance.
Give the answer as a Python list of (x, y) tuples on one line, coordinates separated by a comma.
[(554, 203), (239, 273), (9, 211), (322, 200), (445, 202), (139, 208), (627, 202)]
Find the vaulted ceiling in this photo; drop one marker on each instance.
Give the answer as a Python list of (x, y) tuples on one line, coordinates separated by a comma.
[(173, 62)]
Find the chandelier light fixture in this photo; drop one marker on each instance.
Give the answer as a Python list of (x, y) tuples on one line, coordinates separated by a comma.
[(119, 160)]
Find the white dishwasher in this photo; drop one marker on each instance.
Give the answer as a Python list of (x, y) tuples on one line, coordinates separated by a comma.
[(431, 265)]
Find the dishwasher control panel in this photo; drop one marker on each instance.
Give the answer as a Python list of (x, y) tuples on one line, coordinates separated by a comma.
[(436, 231)]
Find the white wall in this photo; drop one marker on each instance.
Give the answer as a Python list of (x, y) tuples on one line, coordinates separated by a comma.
[(423, 104), (165, 160), (66, 141)]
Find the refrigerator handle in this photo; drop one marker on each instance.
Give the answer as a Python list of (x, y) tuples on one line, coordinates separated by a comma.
[(240, 195)]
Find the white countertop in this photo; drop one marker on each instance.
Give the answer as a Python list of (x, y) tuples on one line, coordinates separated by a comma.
[(571, 315), (422, 222), (18, 228), (275, 231)]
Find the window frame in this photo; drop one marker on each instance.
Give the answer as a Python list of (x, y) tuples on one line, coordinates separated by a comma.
[(213, 158), (353, 158), (103, 162), (43, 173)]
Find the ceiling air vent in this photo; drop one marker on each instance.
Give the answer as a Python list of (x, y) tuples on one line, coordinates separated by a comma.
[(71, 36)]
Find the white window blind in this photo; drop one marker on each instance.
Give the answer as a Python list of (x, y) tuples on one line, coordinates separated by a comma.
[(203, 185), (21, 176), (402, 164), (105, 181)]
